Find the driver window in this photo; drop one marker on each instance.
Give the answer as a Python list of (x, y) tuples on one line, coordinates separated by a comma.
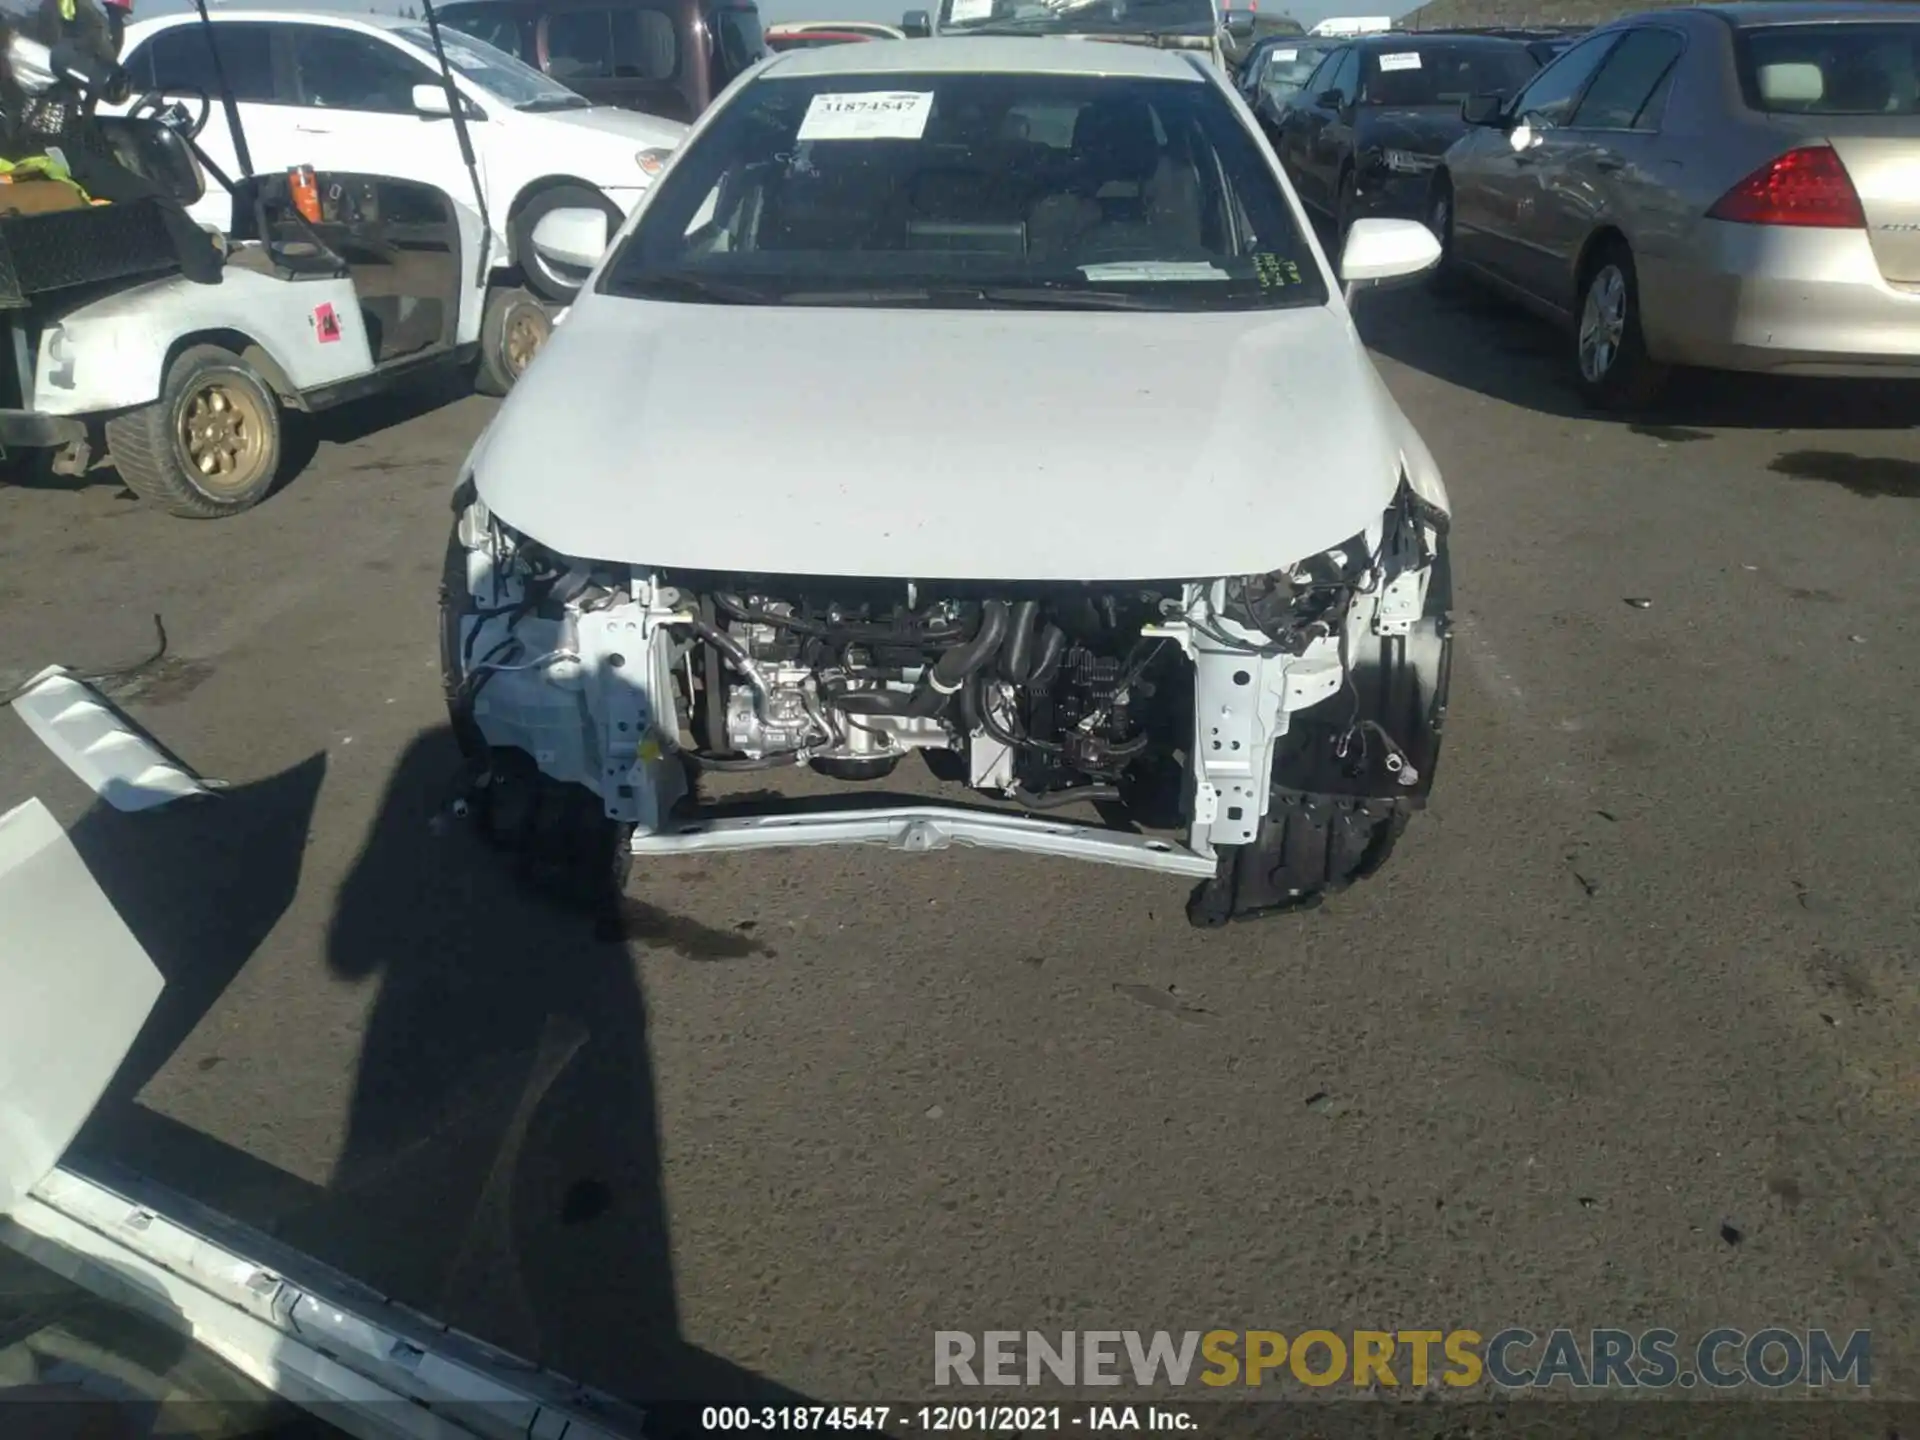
[(179, 61), (345, 70), (1347, 78), (1550, 99), (1322, 75)]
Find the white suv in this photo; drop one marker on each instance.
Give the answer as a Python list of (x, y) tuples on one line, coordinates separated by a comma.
[(338, 92)]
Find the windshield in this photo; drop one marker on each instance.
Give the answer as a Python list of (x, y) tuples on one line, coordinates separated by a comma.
[(968, 189), (498, 73), (1288, 66), (1833, 69), (1066, 17), (1437, 73)]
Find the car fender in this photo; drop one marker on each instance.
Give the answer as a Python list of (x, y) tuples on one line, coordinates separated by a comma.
[(1416, 460), (112, 353)]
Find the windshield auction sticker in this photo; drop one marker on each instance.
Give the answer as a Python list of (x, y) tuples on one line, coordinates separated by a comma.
[(871, 115), (1409, 61)]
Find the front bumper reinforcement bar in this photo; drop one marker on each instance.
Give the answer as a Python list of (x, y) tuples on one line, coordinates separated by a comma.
[(919, 829)]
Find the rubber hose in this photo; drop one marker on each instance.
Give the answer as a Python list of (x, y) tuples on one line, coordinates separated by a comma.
[(1017, 655), (1046, 663), (964, 659), (948, 675)]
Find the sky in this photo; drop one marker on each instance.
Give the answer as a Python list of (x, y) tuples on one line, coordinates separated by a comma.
[(1305, 11)]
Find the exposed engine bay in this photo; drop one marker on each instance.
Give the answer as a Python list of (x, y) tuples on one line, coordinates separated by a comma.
[(1164, 705)]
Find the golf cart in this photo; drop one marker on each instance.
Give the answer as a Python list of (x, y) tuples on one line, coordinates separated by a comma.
[(333, 287)]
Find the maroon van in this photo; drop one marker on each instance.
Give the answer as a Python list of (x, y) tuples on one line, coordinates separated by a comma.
[(670, 58)]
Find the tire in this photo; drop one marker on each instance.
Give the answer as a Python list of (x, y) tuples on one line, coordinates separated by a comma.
[(513, 329), (541, 278), (1345, 194), (1440, 222), (1610, 361), (210, 445)]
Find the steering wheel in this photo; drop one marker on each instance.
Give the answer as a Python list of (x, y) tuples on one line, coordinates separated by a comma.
[(173, 113)]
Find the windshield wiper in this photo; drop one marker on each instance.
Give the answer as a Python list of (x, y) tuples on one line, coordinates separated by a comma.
[(554, 102), (680, 286), (1064, 297)]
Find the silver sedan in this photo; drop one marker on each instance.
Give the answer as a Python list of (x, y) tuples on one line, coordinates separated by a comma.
[(1734, 187)]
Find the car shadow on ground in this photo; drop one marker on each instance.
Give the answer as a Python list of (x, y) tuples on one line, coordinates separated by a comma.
[(501, 1169), (1479, 342)]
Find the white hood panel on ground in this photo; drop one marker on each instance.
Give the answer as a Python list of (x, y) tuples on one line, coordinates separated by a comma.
[(943, 444)]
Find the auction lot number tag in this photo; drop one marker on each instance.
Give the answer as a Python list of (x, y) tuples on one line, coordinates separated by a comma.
[(870, 115)]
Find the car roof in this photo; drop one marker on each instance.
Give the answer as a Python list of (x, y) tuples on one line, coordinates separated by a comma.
[(361, 19), (1402, 39), (995, 55), (1754, 13)]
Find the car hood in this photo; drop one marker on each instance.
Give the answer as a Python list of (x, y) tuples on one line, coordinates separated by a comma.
[(943, 444), (1423, 129), (632, 128)]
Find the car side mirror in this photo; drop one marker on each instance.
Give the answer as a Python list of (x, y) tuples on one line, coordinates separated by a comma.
[(1485, 111), (1380, 252), (1239, 24), (574, 239), (917, 23), (1330, 99), (430, 101)]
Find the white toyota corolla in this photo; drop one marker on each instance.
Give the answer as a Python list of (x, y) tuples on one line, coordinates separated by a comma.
[(989, 399)]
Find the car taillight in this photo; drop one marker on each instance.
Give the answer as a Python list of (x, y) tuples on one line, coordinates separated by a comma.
[(1808, 186)]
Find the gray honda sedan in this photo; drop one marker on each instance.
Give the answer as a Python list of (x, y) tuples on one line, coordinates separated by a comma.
[(1732, 186)]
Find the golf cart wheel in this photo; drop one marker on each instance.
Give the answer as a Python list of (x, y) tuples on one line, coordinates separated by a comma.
[(542, 278), (1610, 360), (512, 331), (209, 446)]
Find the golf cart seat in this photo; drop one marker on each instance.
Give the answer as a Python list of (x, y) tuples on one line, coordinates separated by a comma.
[(399, 242)]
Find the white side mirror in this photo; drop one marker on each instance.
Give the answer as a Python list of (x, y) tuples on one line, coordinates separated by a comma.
[(431, 100), (1378, 251), (573, 238)]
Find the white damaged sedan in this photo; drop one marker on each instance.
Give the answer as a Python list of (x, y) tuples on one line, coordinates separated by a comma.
[(989, 399)]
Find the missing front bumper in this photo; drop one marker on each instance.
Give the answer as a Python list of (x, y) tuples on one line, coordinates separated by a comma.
[(922, 829)]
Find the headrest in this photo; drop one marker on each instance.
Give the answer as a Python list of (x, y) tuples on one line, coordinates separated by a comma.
[(1791, 83)]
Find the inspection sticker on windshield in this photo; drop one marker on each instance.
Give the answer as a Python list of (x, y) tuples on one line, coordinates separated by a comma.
[(965, 12), (1284, 55), (1408, 61), (871, 115)]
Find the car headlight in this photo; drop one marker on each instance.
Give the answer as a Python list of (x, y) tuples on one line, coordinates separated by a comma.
[(1406, 162), (652, 162)]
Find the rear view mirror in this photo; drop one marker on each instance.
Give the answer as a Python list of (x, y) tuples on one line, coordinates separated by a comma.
[(1239, 24), (917, 23), (575, 239), (1484, 110), (1378, 252)]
